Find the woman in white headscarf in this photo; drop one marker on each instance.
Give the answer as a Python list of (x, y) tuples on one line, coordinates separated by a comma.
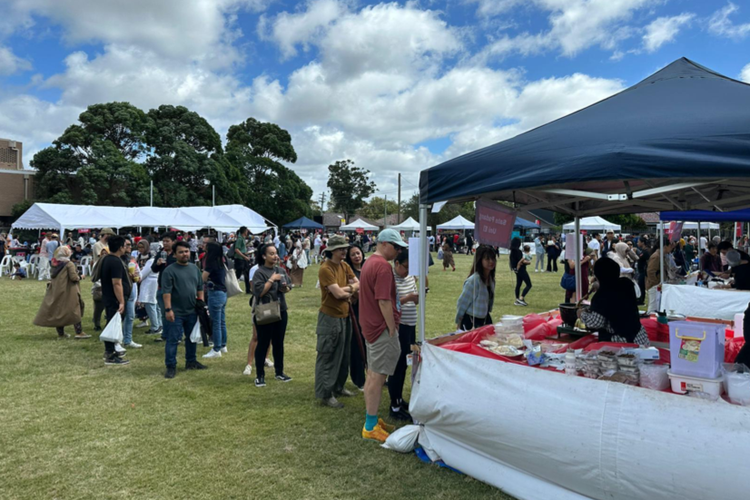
[(620, 255), (299, 263)]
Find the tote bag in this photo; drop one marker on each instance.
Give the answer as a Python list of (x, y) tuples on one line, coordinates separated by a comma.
[(231, 283), (113, 331)]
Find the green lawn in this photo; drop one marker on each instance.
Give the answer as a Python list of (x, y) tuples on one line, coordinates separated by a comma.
[(73, 428)]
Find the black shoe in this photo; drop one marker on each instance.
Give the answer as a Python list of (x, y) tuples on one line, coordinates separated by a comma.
[(158, 339), (116, 361), (194, 365), (284, 377), (97, 328), (401, 414), (260, 382), (171, 372)]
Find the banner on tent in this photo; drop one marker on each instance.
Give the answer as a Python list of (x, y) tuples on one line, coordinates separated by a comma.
[(494, 223), (674, 231)]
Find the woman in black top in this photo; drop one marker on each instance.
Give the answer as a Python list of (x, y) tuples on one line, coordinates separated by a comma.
[(270, 283), (553, 252), (214, 275), (355, 257), (518, 265)]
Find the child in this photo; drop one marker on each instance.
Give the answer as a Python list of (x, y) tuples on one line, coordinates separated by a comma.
[(527, 253), (19, 272)]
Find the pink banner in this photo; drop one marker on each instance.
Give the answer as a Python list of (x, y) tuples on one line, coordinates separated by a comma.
[(493, 224), (674, 231)]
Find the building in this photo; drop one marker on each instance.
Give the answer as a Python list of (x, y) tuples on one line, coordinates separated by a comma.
[(16, 183)]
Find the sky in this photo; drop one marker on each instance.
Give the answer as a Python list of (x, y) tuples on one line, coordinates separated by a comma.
[(396, 87)]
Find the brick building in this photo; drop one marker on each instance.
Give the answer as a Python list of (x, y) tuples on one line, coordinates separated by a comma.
[(16, 183)]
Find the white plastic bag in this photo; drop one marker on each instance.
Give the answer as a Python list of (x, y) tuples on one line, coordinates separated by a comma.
[(195, 336), (113, 331), (403, 440)]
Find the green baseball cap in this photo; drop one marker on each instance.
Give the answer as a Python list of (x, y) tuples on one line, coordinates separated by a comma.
[(391, 236)]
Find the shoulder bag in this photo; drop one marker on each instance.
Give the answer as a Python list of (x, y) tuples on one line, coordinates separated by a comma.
[(268, 312), (231, 283)]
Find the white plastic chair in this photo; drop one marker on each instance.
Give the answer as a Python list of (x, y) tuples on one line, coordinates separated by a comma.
[(33, 265), (86, 265), (6, 265)]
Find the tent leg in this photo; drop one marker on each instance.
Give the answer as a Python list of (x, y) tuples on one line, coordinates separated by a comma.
[(734, 230), (579, 251), (699, 248), (423, 210), (661, 252)]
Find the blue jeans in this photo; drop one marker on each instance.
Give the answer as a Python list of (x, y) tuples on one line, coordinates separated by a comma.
[(175, 330), (154, 315), (217, 303), (129, 317), (162, 314)]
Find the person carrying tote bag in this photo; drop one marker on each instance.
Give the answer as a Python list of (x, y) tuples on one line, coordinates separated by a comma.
[(270, 285)]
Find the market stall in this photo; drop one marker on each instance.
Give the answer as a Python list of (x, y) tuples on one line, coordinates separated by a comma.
[(359, 224), (676, 140), (304, 223), (458, 223), (595, 223), (702, 302)]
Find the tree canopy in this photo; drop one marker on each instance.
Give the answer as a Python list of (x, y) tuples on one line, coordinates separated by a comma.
[(375, 208), (349, 186)]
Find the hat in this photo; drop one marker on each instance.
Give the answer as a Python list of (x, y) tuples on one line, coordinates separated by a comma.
[(106, 230), (391, 236), (588, 251), (336, 242)]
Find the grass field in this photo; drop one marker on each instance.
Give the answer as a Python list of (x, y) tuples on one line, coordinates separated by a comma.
[(73, 428)]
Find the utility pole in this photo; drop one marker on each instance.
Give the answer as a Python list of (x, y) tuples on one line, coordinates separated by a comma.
[(152, 193), (213, 196), (322, 202), (385, 212), (398, 220)]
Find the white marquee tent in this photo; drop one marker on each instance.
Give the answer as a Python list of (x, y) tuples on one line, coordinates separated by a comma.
[(66, 217), (595, 223), (408, 225), (359, 224), (458, 222)]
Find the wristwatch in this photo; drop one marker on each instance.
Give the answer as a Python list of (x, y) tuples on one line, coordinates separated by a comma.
[(168, 309)]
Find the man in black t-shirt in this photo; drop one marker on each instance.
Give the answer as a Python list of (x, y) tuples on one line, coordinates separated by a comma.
[(164, 258), (116, 287)]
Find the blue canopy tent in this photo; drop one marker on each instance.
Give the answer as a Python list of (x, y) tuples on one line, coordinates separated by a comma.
[(303, 223), (678, 140), (525, 224), (707, 215)]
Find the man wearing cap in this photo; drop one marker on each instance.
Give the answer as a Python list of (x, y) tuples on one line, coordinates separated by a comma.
[(379, 315), (101, 244), (337, 286)]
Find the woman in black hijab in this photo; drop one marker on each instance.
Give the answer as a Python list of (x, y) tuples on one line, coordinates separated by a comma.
[(614, 308)]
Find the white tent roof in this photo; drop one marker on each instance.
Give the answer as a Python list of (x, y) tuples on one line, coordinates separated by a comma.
[(594, 223), (694, 225), (458, 222), (409, 225), (359, 224), (62, 217)]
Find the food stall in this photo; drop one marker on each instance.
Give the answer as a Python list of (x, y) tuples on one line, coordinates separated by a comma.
[(676, 140)]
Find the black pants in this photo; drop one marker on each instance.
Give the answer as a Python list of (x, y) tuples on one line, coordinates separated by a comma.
[(110, 311), (522, 276), (98, 310), (407, 336), (271, 334), (240, 267), (744, 355), (357, 356), (470, 322), (642, 285), (551, 265)]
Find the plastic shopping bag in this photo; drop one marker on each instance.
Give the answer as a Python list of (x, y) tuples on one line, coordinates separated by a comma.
[(403, 440), (113, 331), (195, 336)]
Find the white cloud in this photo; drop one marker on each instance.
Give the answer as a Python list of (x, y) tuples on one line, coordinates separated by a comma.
[(488, 8), (664, 29), (719, 23), (745, 74), (11, 63)]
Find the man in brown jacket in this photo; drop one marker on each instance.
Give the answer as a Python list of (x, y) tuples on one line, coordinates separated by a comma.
[(653, 275)]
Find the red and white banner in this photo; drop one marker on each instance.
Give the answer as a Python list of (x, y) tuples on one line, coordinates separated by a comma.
[(493, 223), (674, 231)]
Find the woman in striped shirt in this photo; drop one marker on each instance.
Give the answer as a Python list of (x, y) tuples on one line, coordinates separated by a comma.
[(408, 298), (478, 295)]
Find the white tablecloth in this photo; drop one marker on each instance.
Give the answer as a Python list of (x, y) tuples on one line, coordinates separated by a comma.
[(702, 302)]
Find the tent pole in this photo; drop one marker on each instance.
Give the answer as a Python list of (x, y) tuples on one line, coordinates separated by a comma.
[(699, 248), (579, 251), (422, 269), (661, 252), (152, 194), (734, 230)]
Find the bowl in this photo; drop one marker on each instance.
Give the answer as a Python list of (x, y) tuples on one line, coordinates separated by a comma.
[(569, 313)]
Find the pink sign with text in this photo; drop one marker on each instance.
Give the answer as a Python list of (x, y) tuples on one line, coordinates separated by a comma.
[(493, 224), (674, 231)]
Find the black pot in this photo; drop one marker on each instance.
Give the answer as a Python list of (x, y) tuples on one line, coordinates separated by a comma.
[(569, 313)]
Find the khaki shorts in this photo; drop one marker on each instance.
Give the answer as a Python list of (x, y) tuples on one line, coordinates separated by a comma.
[(383, 354)]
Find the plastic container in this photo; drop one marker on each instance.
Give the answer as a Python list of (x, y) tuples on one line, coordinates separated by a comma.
[(654, 377), (738, 387), (739, 320), (570, 363), (682, 384), (696, 349)]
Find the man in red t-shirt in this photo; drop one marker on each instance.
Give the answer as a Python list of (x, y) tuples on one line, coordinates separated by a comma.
[(379, 315)]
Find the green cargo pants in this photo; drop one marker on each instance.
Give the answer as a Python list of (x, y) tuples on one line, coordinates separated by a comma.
[(334, 347)]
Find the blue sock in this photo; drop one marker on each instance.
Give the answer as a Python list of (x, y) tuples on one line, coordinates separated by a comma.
[(370, 422)]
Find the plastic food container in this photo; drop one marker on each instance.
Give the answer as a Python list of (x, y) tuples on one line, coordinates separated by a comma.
[(682, 384), (696, 349), (738, 387)]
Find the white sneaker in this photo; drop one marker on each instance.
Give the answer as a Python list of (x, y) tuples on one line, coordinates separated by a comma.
[(212, 354), (536, 270), (119, 348), (269, 363), (142, 324), (135, 345), (223, 350), (248, 370)]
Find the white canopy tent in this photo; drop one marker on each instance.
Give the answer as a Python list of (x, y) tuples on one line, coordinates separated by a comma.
[(594, 223), (67, 217), (458, 222), (359, 224), (700, 225), (408, 225)]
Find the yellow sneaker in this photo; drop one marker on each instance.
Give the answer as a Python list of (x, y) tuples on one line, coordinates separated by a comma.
[(386, 427), (376, 434)]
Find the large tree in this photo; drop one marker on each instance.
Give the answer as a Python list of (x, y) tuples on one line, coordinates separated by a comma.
[(350, 186), (377, 206), (256, 149)]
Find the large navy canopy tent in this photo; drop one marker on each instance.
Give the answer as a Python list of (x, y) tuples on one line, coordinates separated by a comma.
[(303, 223), (525, 224), (680, 139), (708, 216)]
